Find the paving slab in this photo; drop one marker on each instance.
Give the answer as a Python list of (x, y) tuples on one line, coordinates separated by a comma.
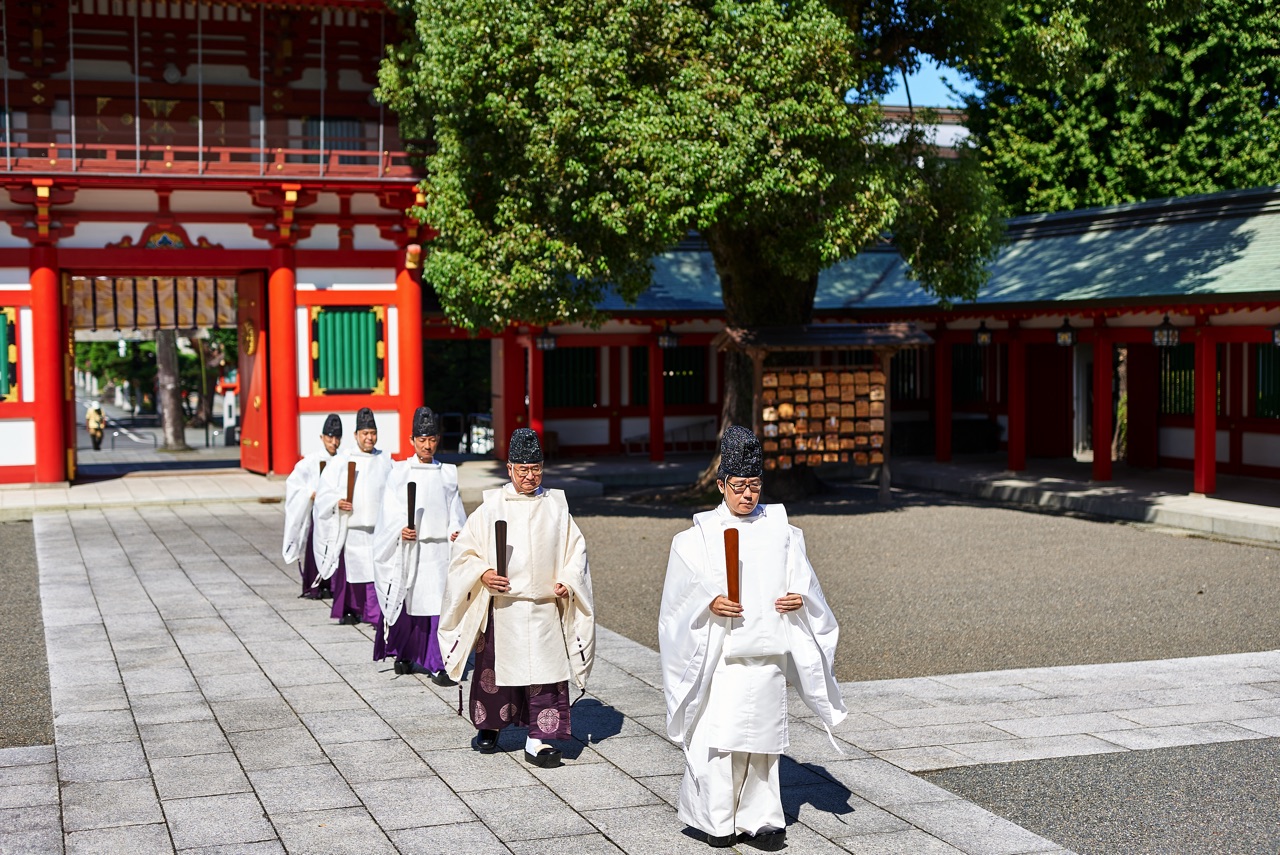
[(251, 704)]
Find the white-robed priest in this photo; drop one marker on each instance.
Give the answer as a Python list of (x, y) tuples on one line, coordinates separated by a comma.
[(526, 609), (346, 525), (299, 508), (726, 665), (411, 545)]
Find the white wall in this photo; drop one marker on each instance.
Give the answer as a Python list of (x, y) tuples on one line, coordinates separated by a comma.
[(389, 439), (18, 442)]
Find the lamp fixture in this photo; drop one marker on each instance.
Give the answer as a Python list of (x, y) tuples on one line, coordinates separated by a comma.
[(1066, 334), (544, 341), (1165, 335), (667, 339), (1275, 335), (982, 335)]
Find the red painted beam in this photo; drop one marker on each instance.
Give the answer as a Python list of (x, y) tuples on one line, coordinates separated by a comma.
[(282, 353), (48, 352), (1206, 414), (1102, 421), (657, 404), (942, 401), (409, 329), (1016, 445)]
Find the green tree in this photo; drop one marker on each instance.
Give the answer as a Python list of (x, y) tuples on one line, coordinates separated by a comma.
[(1195, 116), (570, 141)]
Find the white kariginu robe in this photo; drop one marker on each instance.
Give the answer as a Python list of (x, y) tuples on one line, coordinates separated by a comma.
[(411, 575), (539, 637), (299, 488), (350, 534), (726, 680)]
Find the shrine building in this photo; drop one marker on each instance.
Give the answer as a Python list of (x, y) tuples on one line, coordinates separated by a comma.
[(180, 164)]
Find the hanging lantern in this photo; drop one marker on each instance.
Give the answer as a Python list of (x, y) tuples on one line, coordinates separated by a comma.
[(982, 335), (1165, 335), (1066, 335)]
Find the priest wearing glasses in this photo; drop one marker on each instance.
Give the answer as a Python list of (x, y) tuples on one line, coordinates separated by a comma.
[(726, 661), (519, 593)]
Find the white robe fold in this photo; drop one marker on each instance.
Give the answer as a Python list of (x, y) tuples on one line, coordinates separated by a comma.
[(725, 680), (301, 484), (411, 575), (340, 533), (539, 638)]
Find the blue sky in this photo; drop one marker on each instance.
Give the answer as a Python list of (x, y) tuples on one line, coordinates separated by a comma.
[(927, 88)]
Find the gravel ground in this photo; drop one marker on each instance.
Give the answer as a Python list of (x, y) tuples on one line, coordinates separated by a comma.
[(935, 585), (1194, 800), (26, 712)]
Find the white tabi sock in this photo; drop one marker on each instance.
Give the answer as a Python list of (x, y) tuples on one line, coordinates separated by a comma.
[(533, 745)]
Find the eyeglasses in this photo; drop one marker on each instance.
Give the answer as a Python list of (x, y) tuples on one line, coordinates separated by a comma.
[(738, 489), (526, 471)]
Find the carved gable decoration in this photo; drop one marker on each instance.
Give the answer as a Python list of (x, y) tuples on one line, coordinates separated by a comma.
[(170, 236)]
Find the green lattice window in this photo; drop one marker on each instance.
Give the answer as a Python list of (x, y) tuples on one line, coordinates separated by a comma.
[(348, 350), (8, 354)]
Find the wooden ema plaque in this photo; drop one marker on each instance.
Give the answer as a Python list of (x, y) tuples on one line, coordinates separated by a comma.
[(812, 417)]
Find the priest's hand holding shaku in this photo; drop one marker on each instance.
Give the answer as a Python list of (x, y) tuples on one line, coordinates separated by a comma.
[(500, 584), (722, 606)]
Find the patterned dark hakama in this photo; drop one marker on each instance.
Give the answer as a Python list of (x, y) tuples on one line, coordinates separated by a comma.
[(358, 598), (543, 709), (411, 638)]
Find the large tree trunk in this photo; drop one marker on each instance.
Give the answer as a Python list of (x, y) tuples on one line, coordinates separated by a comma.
[(172, 418), (755, 295)]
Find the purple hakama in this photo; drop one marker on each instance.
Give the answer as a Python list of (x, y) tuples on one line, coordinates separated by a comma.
[(358, 598), (412, 638), (311, 586), (544, 709)]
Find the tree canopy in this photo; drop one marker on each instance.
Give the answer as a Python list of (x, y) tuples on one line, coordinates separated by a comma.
[(1195, 115), (573, 140)]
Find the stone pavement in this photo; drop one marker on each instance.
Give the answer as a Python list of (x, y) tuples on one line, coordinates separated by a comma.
[(201, 707)]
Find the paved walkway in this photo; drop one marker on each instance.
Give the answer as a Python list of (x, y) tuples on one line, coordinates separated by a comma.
[(201, 707)]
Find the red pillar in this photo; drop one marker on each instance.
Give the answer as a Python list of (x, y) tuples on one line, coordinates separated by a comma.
[(537, 391), (1017, 441), (48, 351), (657, 405), (510, 411), (1102, 427), (1206, 414), (941, 397), (282, 356), (409, 330)]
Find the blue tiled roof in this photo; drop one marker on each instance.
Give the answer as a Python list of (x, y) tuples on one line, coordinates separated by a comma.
[(1219, 244)]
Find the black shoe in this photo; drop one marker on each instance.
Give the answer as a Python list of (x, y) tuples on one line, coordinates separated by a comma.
[(765, 841), (546, 758), (486, 741), (719, 842), (349, 619), (402, 666), (442, 678)]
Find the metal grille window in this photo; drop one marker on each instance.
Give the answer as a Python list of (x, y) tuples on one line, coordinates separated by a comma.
[(348, 350), (684, 375), (8, 355), (638, 375), (1267, 396), (911, 376), (969, 374), (1178, 380), (572, 376)]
